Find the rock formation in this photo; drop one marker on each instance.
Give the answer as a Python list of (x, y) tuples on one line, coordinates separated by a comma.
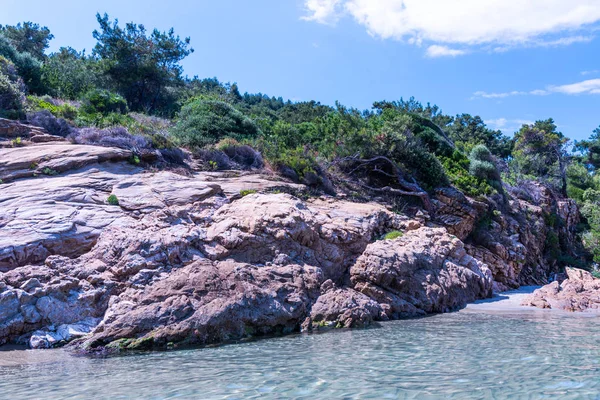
[(579, 292), (185, 258)]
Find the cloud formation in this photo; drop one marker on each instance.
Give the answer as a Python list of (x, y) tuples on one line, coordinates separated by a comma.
[(590, 86), (507, 125), (452, 27), (443, 51), (322, 11)]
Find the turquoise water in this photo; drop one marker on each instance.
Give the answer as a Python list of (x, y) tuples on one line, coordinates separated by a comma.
[(470, 354)]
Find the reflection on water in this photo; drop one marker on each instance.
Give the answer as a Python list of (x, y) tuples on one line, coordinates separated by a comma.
[(470, 354)]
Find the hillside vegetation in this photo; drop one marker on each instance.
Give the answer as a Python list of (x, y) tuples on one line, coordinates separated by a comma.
[(131, 92)]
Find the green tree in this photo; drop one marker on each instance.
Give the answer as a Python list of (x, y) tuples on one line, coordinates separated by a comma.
[(591, 149), (28, 38), (142, 67), (68, 74), (468, 131), (28, 67), (542, 152), (11, 90)]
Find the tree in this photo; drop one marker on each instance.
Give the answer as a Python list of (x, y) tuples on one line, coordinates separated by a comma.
[(11, 90), (28, 38), (69, 74), (468, 131), (542, 151), (28, 67), (141, 66), (591, 149)]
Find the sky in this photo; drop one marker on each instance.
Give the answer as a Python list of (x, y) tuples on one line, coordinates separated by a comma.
[(508, 61)]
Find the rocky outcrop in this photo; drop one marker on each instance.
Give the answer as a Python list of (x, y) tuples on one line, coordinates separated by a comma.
[(579, 292), (10, 129), (515, 236), (193, 258)]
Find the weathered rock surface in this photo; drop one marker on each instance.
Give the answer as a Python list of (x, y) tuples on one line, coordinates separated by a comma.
[(10, 129), (425, 271), (512, 236), (185, 259), (579, 292)]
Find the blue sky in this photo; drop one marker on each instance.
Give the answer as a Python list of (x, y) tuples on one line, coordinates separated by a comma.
[(509, 61)]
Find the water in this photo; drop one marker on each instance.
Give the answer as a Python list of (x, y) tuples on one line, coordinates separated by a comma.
[(481, 352)]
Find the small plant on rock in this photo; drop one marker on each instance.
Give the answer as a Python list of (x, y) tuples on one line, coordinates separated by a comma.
[(112, 200), (246, 192), (393, 235), (49, 171), (16, 142)]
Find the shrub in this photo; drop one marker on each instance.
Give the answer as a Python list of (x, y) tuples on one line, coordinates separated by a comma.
[(100, 101), (242, 156), (173, 155), (482, 164), (49, 171), (111, 137), (12, 96), (295, 164), (112, 200), (55, 126), (205, 122), (457, 169), (11, 99), (393, 235), (58, 108)]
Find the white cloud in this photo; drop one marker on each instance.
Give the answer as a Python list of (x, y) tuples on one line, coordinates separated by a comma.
[(507, 125), (443, 51), (502, 95), (591, 72), (486, 24), (591, 86), (322, 11)]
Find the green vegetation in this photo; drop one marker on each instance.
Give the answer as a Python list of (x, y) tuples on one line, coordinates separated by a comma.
[(112, 200), (393, 235), (49, 171), (17, 142), (246, 192), (205, 122)]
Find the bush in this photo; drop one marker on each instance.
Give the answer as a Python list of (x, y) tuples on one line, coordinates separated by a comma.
[(12, 90), (295, 164), (457, 168), (482, 164), (57, 107), (206, 122), (99, 101), (245, 157), (112, 137), (54, 126), (11, 98)]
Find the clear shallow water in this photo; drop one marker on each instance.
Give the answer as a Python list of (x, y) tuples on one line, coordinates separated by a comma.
[(476, 353)]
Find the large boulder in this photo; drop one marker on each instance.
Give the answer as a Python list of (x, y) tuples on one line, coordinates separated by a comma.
[(425, 271)]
